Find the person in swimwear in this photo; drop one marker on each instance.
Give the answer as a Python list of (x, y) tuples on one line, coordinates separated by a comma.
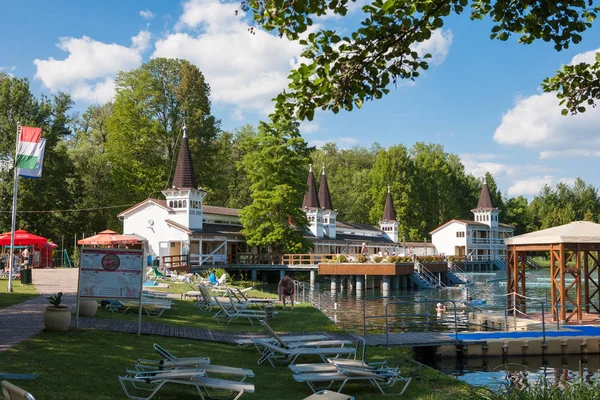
[(286, 288)]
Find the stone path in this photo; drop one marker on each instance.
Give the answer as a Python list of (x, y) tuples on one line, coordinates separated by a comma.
[(24, 320)]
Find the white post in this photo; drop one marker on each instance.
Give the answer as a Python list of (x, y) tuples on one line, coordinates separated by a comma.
[(14, 213)]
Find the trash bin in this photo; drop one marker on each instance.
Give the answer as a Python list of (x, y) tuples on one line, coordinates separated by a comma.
[(26, 276), (156, 262)]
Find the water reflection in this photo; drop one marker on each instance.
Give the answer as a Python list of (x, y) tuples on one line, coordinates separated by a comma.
[(519, 372)]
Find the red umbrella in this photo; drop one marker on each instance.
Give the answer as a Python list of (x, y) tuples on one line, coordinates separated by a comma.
[(22, 238), (108, 237)]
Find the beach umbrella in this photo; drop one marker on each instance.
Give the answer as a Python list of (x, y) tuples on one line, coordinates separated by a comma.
[(108, 237), (22, 238)]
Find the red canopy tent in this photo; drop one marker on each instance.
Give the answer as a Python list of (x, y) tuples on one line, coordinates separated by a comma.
[(108, 237), (45, 260), (22, 238)]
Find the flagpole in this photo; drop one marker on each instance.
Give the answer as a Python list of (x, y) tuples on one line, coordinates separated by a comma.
[(14, 214)]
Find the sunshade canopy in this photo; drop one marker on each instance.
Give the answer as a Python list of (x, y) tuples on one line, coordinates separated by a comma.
[(22, 238), (108, 237), (575, 232)]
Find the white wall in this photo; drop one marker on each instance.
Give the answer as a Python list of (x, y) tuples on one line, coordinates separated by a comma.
[(445, 239), (137, 223)]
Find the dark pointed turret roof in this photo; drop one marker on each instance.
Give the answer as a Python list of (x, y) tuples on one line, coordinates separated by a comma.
[(485, 199), (310, 197), (389, 214), (324, 196), (185, 177)]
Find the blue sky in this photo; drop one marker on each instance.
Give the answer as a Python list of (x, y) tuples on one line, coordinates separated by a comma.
[(480, 99)]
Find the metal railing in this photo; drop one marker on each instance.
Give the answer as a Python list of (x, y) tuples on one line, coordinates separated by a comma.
[(514, 296), (458, 271), (320, 300), (428, 275)]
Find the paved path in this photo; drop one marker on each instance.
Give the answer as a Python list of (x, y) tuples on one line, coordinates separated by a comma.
[(24, 320)]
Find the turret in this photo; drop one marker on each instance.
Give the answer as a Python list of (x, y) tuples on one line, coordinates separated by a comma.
[(388, 224), (312, 208), (485, 212), (184, 197), (329, 214)]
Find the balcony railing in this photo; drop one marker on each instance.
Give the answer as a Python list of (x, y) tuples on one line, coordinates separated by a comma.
[(487, 241)]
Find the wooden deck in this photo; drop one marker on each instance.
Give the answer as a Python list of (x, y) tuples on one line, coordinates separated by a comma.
[(408, 339)]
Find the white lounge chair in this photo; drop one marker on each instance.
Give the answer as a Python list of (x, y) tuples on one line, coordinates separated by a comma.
[(303, 343), (276, 353), (260, 303), (378, 377), (328, 395), (170, 361), (13, 392), (207, 387), (229, 314), (210, 370)]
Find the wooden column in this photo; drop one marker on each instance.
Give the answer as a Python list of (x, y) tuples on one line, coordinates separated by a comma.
[(561, 289), (586, 277), (553, 284), (578, 284), (523, 300)]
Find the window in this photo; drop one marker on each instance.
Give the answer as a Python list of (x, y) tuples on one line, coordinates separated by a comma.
[(460, 234), (184, 204)]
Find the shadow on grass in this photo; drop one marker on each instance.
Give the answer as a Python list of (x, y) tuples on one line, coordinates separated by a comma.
[(20, 293)]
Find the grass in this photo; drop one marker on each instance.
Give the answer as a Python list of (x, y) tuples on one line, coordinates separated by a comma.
[(20, 293), (303, 318), (86, 363)]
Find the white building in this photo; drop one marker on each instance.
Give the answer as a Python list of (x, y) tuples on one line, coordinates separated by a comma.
[(479, 240), (182, 229)]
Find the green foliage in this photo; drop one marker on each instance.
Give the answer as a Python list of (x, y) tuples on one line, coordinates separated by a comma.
[(274, 163), (377, 259), (577, 86), (217, 271), (55, 299), (341, 258), (361, 258), (145, 127), (343, 70), (431, 259)]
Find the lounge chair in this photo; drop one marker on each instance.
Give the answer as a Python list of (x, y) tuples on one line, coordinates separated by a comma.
[(276, 353), (210, 370), (207, 387), (12, 392), (327, 395), (378, 377), (152, 307), (303, 343), (170, 361), (260, 303), (229, 314)]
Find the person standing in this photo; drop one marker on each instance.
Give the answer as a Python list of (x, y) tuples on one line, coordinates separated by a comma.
[(25, 255), (286, 288)]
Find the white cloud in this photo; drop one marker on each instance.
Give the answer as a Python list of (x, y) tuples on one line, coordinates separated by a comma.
[(90, 66), (147, 14), (438, 46), (236, 114), (309, 127), (536, 122), (532, 186), (8, 70), (480, 163), (243, 69)]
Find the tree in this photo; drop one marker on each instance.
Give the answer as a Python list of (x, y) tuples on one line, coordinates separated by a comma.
[(342, 72), (275, 164), (145, 128), (517, 214)]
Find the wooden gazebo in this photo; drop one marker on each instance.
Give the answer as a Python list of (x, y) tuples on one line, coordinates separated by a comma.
[(574, 251)]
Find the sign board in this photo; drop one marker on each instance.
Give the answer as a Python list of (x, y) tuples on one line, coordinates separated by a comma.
[(110, 273)]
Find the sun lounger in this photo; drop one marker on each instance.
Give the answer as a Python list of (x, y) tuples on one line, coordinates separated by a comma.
[(381, 378), (327, 395), (229, 314), (303, 343), (152, 307), (170, 361), (276, 353), (298, 338), (210, 370), (207, 387), (260, 303), (12, 392)]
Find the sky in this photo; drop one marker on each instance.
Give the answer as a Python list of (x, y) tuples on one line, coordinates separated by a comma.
[(480, 99)]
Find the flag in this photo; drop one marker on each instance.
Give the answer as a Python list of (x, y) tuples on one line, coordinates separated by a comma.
[(30, 152)]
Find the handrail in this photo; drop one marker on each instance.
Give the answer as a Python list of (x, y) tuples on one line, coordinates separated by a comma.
[(382, 297), (428, 276), (456, 270), (514, 309), (321, 301)]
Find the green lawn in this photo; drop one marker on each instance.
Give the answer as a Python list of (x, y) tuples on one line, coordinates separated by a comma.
[(85, 364), (303, 318), (20, 293)]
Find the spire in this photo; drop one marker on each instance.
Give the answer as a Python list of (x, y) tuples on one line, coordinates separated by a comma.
[(185, 177), (324, 196), (485, 198), (310, 197), (389, 214)]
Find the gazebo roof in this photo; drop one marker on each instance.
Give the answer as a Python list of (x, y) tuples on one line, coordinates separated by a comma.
[(575, 232)]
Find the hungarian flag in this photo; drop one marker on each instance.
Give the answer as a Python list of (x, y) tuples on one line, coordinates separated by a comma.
[(30, 152)]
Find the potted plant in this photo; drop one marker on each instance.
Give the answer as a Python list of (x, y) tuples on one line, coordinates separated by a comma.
[(57, 316)]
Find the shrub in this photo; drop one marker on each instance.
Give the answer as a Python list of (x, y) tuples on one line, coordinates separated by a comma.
[(56, 299), (378, 259), (341, 258), (361, 258)]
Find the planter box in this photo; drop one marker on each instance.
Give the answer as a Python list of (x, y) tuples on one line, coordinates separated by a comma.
[(377, 269), (57, 318)]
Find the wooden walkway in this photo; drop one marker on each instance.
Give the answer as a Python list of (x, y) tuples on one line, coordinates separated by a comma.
[(408, 339)]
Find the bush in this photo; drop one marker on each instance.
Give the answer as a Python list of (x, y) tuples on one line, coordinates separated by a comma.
[(378, 259), (218, 272), (392, 259), (361, 258), (341, 258)]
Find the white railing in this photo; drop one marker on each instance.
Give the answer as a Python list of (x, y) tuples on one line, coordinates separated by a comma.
[(427, 275), (487, 241)]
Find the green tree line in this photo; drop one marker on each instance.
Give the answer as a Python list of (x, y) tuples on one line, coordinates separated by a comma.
[(113, 155)]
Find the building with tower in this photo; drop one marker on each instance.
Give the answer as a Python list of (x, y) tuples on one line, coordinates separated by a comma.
[(481, 239), (183, 228)]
